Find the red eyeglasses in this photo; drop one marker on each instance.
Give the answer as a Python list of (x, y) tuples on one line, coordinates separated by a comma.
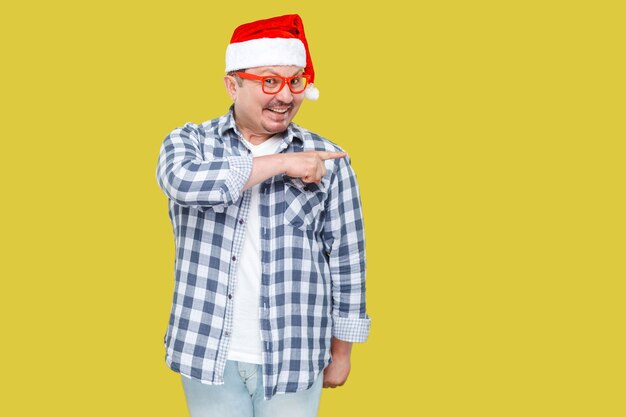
[(272, 84)]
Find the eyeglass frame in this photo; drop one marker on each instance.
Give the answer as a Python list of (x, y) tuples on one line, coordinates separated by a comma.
[(285, 80)]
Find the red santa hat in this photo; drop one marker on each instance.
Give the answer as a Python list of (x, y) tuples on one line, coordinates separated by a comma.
[(275, 41)]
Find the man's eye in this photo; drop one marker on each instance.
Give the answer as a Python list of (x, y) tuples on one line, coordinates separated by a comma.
[(270, 82), (296, 82)]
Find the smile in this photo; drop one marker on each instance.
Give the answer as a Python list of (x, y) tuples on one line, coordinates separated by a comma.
[(279, 111)]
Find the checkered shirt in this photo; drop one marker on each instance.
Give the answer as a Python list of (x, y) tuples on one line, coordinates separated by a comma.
[(312, 255)]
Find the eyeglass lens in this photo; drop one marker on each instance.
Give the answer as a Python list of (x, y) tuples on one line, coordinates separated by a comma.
[(272, 85)]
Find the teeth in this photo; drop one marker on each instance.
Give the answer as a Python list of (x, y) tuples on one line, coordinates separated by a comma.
[(281, 111)]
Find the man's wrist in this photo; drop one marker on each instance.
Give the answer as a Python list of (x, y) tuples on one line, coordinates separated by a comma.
[(281, 162), (340, 347)]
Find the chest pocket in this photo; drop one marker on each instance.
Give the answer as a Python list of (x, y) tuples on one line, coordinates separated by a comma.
[(304, 202)]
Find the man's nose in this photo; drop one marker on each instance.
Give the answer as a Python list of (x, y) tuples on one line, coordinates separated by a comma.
[(285, 95)]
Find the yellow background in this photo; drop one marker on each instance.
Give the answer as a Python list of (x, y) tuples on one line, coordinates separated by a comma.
[(488, 138)]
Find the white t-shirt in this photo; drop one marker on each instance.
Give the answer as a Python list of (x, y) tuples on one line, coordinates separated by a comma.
[(246, 344)]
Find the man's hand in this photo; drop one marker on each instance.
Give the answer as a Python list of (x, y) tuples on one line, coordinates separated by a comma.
[(336, 374), (309, 165)]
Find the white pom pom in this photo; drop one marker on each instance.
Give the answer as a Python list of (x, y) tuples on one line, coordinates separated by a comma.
[(311, 93)]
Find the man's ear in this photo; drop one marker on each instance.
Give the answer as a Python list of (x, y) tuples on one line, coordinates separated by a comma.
[(231, 86)]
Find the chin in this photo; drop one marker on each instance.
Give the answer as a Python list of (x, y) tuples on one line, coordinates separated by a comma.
[(276, 127)]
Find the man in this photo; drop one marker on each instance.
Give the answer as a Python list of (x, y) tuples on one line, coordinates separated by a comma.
[(270, 250)]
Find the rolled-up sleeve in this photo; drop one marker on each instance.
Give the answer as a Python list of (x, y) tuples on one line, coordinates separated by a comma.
[(344, 241), (190, 178)]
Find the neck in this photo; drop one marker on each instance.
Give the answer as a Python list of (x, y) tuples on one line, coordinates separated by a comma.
[(252, 137), (255, 138)]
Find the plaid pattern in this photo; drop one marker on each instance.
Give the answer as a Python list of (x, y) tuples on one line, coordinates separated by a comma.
[(312, 254)]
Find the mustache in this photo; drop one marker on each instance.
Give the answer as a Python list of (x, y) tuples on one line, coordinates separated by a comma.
[(278, 103)]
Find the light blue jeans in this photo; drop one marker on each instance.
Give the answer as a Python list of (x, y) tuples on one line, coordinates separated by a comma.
[(241, 395)]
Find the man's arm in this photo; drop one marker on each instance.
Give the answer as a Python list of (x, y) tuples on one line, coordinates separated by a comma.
[(344, 242), (191, 179), (309, 166)]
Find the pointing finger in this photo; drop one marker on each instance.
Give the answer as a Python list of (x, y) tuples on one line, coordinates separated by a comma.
[(331, 155)]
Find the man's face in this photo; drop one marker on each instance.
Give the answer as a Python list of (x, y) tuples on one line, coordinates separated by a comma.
[(261, 115)]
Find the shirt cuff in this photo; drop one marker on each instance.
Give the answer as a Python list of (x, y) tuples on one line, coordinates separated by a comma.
[(350, 329), (240, 170)]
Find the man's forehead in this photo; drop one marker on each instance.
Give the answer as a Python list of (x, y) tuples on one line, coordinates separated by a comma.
[(284, 70)]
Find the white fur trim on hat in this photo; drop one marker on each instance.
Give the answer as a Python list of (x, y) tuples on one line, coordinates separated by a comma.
[(265, 52)]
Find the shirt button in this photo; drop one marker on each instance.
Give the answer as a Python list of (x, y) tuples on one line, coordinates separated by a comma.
[(234, 258), (240, 221), (227, 334), (230, 296)]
